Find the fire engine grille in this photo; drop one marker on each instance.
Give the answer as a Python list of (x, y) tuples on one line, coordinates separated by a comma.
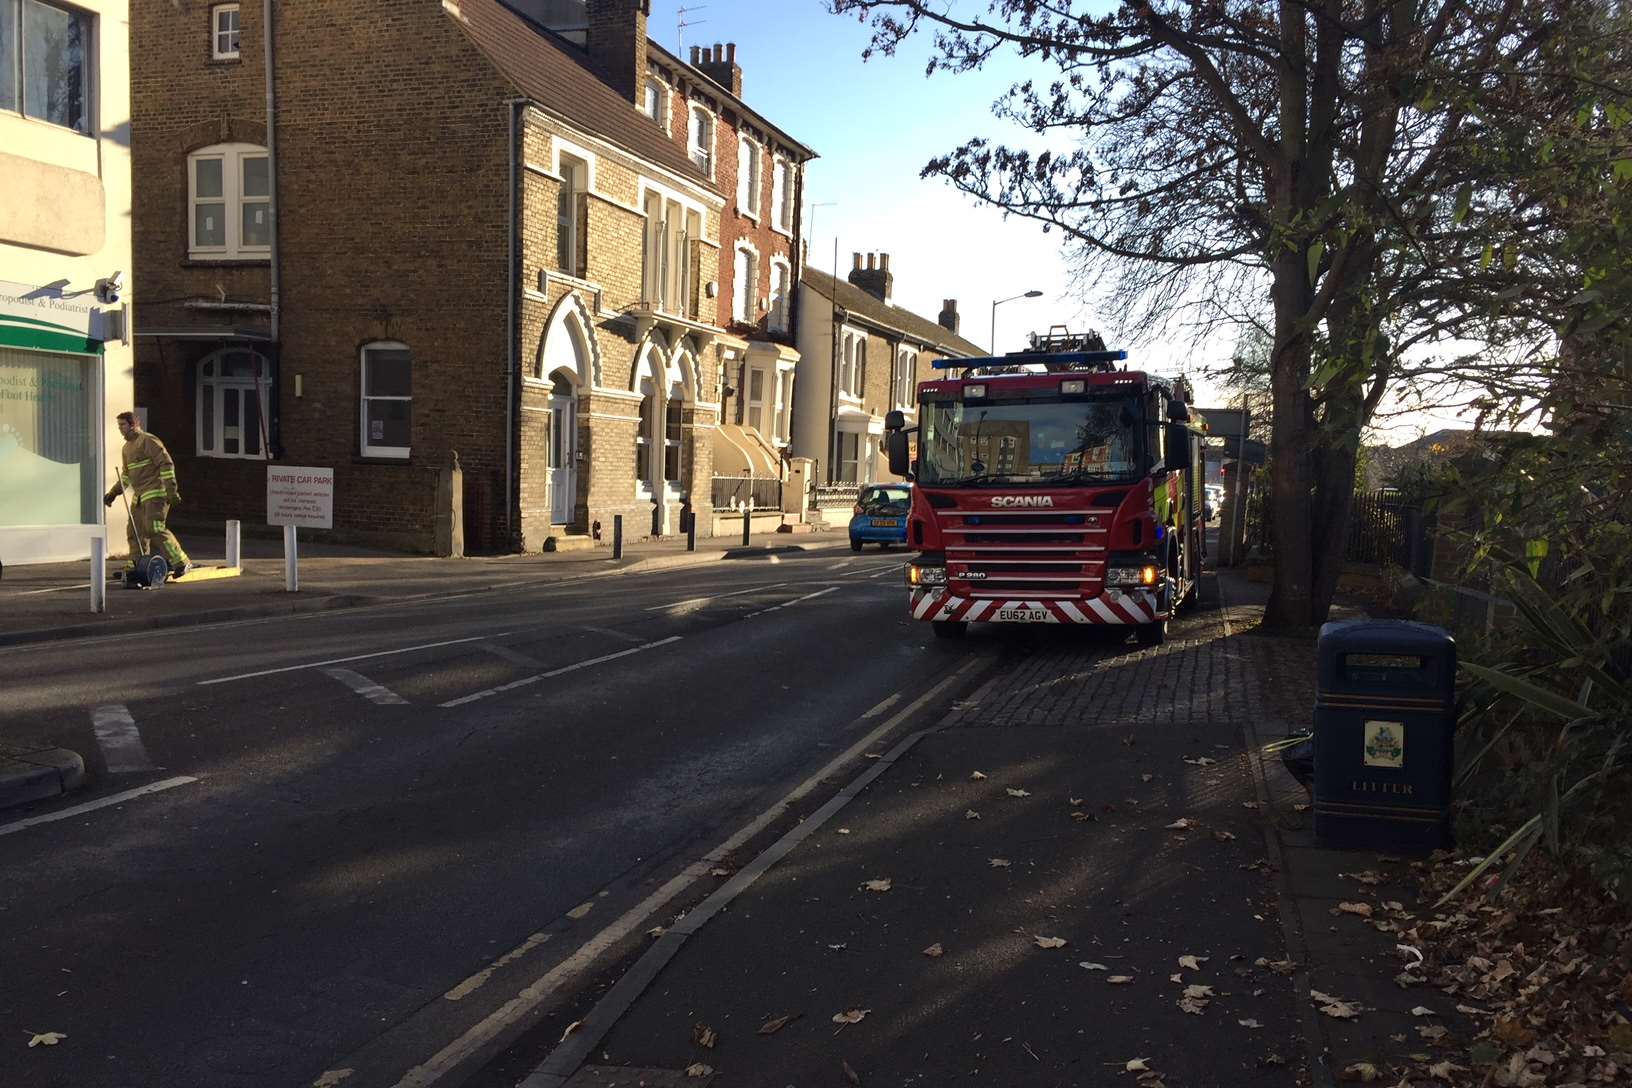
[(1005, 554)]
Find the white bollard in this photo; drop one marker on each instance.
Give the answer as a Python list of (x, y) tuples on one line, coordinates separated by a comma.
[(99, 574), (291, 560), (235, 550)]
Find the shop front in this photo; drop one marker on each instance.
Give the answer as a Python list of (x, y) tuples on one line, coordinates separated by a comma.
[(54, 447)]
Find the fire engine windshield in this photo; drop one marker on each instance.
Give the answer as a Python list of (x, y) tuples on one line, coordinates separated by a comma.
[(1029, 441)]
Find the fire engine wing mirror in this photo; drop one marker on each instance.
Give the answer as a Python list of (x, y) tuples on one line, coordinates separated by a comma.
[(895, 421), (1178, 448), (895, 445), (1178, 411)]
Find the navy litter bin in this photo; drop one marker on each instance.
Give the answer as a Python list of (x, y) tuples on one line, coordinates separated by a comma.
[(1385, 715)]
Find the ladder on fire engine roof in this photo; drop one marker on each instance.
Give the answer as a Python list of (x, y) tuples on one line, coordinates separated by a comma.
[(1056, 350)]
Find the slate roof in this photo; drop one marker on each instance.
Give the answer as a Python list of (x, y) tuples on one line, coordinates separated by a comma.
[(856, 301), (560, 78)]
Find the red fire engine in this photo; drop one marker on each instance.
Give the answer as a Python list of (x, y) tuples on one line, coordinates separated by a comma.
[(1051, 487)]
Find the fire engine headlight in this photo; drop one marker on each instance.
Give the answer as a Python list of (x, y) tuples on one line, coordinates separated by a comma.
[(1147, 575), (925, 576)]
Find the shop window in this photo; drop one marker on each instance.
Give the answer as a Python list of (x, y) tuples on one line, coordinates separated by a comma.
[(233, 390), (387, 401), (50, 473)]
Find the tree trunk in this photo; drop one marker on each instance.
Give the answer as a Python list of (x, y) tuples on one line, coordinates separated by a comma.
[(1291, 599)]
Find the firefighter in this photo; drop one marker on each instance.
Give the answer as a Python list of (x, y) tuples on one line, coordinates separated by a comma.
[(147, 470)]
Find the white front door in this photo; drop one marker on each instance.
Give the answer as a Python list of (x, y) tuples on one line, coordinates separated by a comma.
[(563, 458)]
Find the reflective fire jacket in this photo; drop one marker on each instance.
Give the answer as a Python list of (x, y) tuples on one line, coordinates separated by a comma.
[(148, 470)]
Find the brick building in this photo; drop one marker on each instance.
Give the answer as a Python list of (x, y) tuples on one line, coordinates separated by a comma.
[(483, 243), (862, 357)]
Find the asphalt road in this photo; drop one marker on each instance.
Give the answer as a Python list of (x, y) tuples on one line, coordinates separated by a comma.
[(370, 830)]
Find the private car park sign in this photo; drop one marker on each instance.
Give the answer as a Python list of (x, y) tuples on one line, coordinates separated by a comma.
[(298, 498)]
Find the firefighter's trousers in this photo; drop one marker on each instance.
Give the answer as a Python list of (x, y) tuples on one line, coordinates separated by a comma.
[(150, 522)]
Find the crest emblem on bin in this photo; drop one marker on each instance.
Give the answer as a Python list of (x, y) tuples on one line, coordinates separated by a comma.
[(1385, 744)]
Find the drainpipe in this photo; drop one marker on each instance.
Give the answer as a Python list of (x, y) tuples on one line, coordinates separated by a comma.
[(513, 108), (271, 167)]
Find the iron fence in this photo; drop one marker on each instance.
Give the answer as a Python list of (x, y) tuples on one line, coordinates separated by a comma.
[(835, 496), (735, 492), (1383, 529)]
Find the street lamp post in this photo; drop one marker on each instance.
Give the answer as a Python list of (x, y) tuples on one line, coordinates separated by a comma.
[(998, 302)]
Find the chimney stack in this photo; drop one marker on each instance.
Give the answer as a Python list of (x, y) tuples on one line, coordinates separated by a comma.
[(949, 316), (875, 279), (719, 63), (616, 41)]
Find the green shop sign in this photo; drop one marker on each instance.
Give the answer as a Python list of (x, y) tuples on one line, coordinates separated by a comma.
[(46, 319)]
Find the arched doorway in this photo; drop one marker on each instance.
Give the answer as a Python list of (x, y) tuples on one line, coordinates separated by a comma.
[(563, 448)]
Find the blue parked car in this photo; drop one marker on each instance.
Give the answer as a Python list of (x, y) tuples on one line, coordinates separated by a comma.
[(881, 515)]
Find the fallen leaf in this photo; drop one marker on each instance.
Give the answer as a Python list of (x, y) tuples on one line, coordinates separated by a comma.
[(704, 1036), (572, 1027), (1223, 836), (844, 831), (1339, 1010), (851, 1016), (1484, 1052), (1050, 942), (970, 814), (1018, 793), (1136, 1065), (1272, 1059), (1146, 777), (1423, 1010), (935, 951), (717, 871), (1192, 963), (850, 1074), (1280, 967), (1119, 980), (1300, 807), (977, 777), (1176, 977), (656, 931), (1077, 802), (1362, 909), (1198, 991), (1088, 966), (1252, 1025), (777, 1023), (1081, 816), (1512, 1033), (998, 863), (1433, 1032), (332, 1078), (1191, 1005), (1202, 761), (874, 755), (840, 947), (1364, 1072), (877, 885), (1183, 823), (1254, 805), (1444, 1070), (698, 1069)]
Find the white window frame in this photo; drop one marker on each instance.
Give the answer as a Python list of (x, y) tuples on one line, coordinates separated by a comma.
[(852, 363), (660, 108), (745, 284), (784, 406), (367, 448), (576, 185), (781, 301), (782, 195), (754, 407), (903, 378), (694, 134), (750, 164), (217, 33), (666, 251), (232, 201), (214, 388)]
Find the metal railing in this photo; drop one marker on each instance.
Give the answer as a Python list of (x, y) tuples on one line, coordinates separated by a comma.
[(1383, 530), (734, 492), (834, 496)]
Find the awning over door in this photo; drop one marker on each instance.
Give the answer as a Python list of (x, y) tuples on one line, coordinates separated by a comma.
[(740, 451)]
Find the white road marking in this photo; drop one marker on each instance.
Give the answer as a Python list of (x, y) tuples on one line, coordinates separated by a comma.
[(796, 600), (354, 657), (92, 806), (886, 570), (368, 689), (700, 601), (515, 657), (519, 1010), (609, 631), (479, 979), (881, 707), (119, 739), (868, 572), (562, 671), (841, 564)]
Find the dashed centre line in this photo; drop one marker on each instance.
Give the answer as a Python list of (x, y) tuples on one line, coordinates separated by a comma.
[(796, 600), (368, 689), (563, 670), (354, 657)]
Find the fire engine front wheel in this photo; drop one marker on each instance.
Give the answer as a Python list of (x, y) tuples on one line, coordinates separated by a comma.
[(1151, 634), (950, 628)]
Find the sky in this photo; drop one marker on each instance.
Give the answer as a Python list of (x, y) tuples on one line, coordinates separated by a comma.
[(875, 124)]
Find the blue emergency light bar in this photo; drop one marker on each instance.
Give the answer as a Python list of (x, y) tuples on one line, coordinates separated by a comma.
[(1021, 358)]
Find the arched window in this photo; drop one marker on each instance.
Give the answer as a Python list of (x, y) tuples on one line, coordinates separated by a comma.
[(643, 439), (671, 437), (233, 389), (229, 195)]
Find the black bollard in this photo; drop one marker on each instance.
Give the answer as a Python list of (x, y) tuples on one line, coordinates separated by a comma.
[(617, 536)]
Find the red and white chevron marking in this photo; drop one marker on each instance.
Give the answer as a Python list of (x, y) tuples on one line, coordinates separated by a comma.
[(1111, 606)]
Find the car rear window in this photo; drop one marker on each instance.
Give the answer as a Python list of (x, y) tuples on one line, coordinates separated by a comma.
[(892, 499)]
